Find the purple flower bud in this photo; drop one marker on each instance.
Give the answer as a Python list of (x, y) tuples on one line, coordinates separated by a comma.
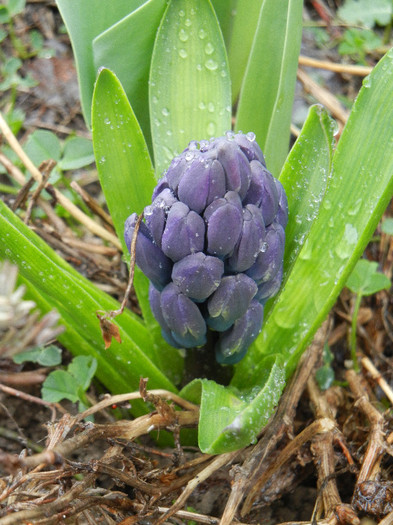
[(235, 164), (155, 214), (230, 301), (250, 242), (175, 171), (233, 344), (198, 275), (183, 317), (270, 258), (282, 212), (269, 289), (149, 257), (249, 146), (161, 185), (184, 232), (262, 192), (201, 183), (155, 305), (224, 219), (213, 242)]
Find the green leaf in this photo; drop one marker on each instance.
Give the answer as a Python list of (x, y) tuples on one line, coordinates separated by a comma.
[(365, 12), (125, 171), (123, 161), (387, 226), (366, 280), (83, 368), (60, 385), (130, 41), (304, 177), (359, 190), (266, 96), (77, 301), (43, 145), (189, 93), (244, 24), (324, 377), (84, 21), (77, 153), (231, 419), (16, 6), (45, 356)]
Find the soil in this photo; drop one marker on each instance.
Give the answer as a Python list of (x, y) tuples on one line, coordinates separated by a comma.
[(325, 457)]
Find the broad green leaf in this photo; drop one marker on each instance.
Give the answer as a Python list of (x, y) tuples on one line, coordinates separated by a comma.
[(359, 190), (189, 92), (45, 356), (225, 11), (127, 179), (83, 368), (60, 385), (365, 12), (123, 162), (77, 153), (43, 145), (366, 280), (304, 177), (130, 42), (84, 21), (77, 301), (230, 419), (266, 96), (244, 24)]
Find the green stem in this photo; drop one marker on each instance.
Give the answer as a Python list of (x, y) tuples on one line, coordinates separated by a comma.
[(353, 332)]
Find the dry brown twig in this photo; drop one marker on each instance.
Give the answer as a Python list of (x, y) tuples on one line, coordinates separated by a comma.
[(247, 478)]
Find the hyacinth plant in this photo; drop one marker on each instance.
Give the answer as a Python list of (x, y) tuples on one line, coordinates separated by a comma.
[(159, 77)]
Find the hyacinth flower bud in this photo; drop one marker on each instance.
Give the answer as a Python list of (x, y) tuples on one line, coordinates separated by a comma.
[(184, 232), (269, 289), (282, 212), (233, 343), (224, 219), (182, 316), (250, 242), (249, 146), (262, 192), (230, 301), (155, 215), (269, 259), (236, 166), (212, 245), (155, 305), (201, 184), (198, 275), (148, 256)]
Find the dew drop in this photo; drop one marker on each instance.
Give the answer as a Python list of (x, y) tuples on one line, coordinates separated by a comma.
[(187, 22), (209, 48), (210, 107), (182, 53), (202, 105), (202, 34), (211, 129), (181, 13), (107, 121), (165, 112), (211, 64), (183, 35)]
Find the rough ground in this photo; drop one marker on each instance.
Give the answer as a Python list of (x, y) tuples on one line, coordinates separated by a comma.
[(325, 457)]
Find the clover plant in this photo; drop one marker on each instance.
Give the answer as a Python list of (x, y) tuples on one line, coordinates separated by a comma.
[(156, 75)]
